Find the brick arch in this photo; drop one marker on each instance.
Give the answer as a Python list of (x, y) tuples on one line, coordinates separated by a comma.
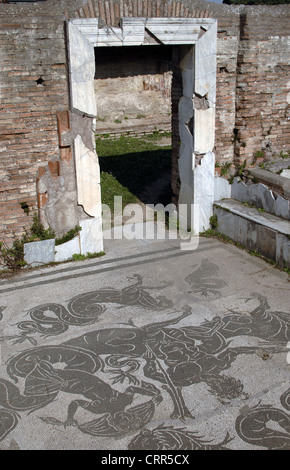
[(110, 11)]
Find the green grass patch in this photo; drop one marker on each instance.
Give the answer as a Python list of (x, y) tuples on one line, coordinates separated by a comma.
[(129, 165), (213, 220), (112, 187), (79, 257), (157, 134), (128, 145), (284, 155), (225, 168), (68, 236), (212, 233)]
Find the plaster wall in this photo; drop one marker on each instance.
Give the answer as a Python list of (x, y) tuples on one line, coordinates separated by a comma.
[(135, 83)]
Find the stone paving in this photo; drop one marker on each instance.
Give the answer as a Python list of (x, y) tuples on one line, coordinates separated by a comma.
[(150, 347)]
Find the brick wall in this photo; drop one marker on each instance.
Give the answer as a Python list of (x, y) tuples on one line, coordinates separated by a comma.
[(252, 85), (252, 68), (263, 82), (33, 87)]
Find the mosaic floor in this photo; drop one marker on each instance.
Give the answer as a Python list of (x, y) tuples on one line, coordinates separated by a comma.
[(156, 349)]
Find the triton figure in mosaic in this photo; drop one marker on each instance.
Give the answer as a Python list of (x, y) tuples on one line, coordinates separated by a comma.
[(204, 280), (53, 319), (252, 427)]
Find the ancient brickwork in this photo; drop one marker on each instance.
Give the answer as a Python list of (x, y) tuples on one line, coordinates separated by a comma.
[(110, 11), (252, 111), (33, 86), (263, 82), (227, 52)]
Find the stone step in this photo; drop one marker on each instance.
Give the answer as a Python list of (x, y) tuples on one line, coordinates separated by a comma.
[(256, 230)]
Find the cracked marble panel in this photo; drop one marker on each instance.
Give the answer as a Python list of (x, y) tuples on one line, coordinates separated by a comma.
[(88, 178), (82, 71)]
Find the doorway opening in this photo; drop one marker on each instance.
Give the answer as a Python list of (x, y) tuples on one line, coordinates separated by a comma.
[(192, 42), (134, 95)]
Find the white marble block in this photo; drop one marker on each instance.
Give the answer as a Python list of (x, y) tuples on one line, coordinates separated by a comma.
[(133, 31), (91, 236), (174, 30), (204, 130), (89, 27), (39, 252), (222, 188), (65, 251), (88, 178), (205, 64), (82, 71), (203, 189)]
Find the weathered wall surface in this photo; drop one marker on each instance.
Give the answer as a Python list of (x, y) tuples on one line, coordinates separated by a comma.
[(30, 50), (252, 111), (123, 98), (263, 82), (33, 87), (36, 169), (134, 82)]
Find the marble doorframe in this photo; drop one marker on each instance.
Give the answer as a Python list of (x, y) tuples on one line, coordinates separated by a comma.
[(197, 39)]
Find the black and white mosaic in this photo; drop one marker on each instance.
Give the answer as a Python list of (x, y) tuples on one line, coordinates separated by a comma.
[(121, 375)]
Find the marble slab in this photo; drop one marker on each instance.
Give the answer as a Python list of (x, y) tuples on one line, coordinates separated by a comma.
[(82, 71), (174, 30), (91, 236), (39, 252), (66, 250), (88, 178), (88, 27)]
